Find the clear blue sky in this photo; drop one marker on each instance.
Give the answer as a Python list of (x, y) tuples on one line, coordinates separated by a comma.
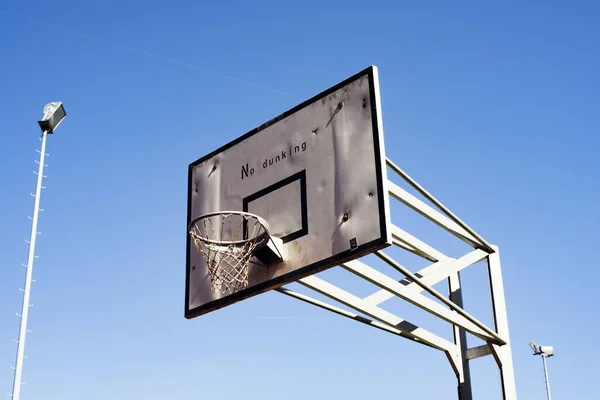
[(492, 106)]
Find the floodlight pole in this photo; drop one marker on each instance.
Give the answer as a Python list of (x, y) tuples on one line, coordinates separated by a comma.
[(27, 291), (546, 375), (54, 113), (544, 352)]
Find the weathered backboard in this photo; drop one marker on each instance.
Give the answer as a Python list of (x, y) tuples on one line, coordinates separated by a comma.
[(316, 174)]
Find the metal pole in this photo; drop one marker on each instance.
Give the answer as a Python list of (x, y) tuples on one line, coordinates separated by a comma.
[(460, 339), (25, 307), (546, 375)]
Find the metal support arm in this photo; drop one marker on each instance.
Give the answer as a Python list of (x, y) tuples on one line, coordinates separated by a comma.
[(386, 317), (479, 240), (385, 282), (347, 314)]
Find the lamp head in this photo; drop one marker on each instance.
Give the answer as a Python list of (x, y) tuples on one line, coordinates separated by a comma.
[(547, 351), (54, 113)]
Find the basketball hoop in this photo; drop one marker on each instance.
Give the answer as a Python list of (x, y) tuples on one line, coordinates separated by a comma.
[(227, 240)]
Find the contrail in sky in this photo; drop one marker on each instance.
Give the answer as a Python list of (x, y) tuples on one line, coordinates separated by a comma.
[(148, 54)]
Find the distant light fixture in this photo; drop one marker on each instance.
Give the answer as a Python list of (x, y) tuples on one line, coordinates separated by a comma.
[(545, 352), (54, 113)]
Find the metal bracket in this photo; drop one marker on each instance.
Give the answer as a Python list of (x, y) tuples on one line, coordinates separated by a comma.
[(411, 287)]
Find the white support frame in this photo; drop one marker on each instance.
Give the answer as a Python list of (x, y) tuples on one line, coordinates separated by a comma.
[(410, 289)]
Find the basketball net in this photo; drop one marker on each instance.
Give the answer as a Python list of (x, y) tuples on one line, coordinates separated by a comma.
[(227, 241)]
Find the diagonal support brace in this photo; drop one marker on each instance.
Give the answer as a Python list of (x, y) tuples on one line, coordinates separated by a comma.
[(345, 313), (497, 339), (348, 299), (377, 278)]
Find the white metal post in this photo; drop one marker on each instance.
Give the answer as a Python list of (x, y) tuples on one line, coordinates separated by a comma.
[(460, 338), (25, 307), (546, 375), (503, 354)]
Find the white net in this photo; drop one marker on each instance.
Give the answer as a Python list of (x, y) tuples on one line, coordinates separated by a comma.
[(227, 241)]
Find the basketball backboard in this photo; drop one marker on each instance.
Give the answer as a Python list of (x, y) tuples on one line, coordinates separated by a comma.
[(316, 174)]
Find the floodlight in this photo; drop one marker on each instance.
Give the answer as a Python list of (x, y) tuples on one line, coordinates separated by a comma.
[(547, 351), (54, 113)]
